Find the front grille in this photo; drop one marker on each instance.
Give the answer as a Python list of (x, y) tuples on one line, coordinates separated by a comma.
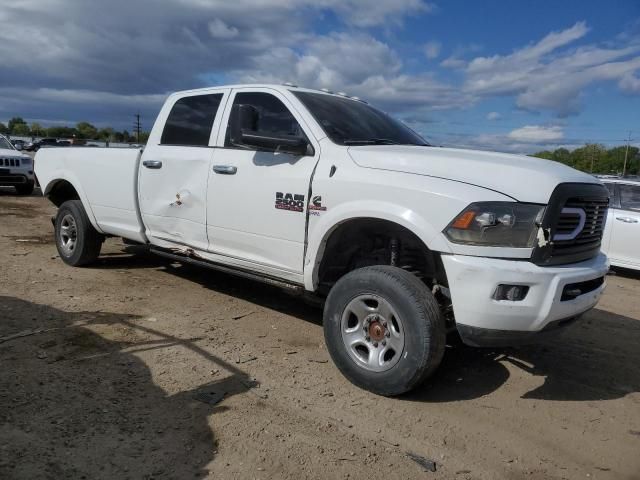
[(12, 179), (580, 225), (573, 224), (9, 162)]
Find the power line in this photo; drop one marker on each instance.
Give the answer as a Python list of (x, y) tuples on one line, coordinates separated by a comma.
[(626, 153), (137, 127)]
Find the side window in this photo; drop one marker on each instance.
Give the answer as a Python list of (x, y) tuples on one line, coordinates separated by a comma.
[(611, 187), (273, 116), (190, 120), (629, 197)]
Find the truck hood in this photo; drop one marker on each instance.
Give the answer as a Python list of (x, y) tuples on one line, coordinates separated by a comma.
[(526, 179), (7, 152)]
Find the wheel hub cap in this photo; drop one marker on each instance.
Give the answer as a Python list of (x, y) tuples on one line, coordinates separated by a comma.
[(376, 331), (372, 332), (68, 235)]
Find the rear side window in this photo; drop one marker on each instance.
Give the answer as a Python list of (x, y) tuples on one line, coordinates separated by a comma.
[(190, 121), (629, 197), (274, 116)]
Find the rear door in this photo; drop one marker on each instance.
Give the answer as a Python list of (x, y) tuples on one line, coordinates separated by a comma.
[(624, 218), (175, 170), (258, 199)]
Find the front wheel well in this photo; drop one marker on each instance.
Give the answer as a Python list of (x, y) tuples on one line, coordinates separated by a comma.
[(365, 242), (62, 191)]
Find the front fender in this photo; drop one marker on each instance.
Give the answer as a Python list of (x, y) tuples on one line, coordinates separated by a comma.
[(320, 229)]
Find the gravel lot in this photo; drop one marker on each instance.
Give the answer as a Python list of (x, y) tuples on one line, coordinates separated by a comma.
[(110, 381)]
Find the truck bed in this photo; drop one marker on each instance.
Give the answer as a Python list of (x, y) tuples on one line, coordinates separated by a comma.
[(106, 180)]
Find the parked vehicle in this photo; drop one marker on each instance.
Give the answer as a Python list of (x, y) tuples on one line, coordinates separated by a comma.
[(621, 240), (325, 195), (18, 144), (45, 142), (16, 168)]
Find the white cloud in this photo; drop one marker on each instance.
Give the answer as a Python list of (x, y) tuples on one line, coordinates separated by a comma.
[(493, 116), (432, 49), (219, 29), (537, 134), (629, 83), (543, 78)]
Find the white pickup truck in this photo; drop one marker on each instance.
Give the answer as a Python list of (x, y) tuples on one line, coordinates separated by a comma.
[(323, 194)]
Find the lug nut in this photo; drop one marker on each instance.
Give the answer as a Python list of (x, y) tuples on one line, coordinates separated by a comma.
[(384, 343), (367, 338), (375, 344), (387, 334)]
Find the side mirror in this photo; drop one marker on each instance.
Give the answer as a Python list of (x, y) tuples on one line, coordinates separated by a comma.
[(244, 130), (18, 147)]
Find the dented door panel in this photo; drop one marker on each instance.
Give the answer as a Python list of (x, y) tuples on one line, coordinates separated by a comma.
[(173, 197)]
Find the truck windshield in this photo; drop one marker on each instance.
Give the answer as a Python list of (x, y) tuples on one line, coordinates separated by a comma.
[(4, 143), (350, 122)]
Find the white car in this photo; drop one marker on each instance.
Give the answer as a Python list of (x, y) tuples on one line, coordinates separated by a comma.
[(325, 195), (16, 168), (621, 240)]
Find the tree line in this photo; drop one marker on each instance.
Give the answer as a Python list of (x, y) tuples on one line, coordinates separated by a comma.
[(84, 130), (596, 158)]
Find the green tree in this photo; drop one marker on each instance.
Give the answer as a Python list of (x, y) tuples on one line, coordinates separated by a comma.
[(36, 129), (15, 122), (86, 130), (596, 156), (60, 132), (3, 128), (21, 129), (106, 134)]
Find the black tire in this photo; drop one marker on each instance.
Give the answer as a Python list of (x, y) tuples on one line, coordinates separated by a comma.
[(25, 189), (88, 241), (421, 319)]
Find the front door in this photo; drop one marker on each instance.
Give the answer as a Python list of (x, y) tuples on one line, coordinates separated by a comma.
[(257, 200), (624, 244), (175, 170)]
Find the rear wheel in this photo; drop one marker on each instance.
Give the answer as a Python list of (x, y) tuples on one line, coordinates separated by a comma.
[(78, 243), (25, 188), (384, 329)]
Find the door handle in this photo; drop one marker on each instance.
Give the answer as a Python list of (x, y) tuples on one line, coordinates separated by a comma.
[(225, 169), (627, 219), (152, 164)]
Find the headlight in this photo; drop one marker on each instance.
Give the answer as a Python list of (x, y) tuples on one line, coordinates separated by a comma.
[(496, 224)]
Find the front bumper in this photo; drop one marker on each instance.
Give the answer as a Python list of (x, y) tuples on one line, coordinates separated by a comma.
[(482, 320), (11, 177)]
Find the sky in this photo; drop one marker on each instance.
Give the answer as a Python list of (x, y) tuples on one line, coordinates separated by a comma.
[(516, 76)]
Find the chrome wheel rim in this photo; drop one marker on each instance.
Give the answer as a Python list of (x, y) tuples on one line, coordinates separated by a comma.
[(68, 235), (372, 332)]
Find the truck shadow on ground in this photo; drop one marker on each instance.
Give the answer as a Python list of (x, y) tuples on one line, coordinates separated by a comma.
[(75, 402), (594, 359)]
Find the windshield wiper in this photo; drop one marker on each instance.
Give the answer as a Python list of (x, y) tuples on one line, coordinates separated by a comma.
[(370, 141)]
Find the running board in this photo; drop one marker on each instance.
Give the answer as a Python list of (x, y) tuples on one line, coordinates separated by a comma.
[(226, 269)]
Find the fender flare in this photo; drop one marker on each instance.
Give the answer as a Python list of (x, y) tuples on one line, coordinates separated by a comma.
[(59, 176), (404, 216)]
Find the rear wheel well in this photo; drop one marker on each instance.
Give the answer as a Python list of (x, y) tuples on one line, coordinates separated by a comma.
[(62, 191), (364, 242)]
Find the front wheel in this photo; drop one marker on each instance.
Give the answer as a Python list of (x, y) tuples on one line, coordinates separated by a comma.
[(383, 329), (77, 241), (25, 188)]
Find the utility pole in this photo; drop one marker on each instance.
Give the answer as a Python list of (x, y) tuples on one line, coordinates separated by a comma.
[(137, 127), (626, 154)]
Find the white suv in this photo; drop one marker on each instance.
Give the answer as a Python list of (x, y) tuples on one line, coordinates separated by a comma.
[(16, 169)]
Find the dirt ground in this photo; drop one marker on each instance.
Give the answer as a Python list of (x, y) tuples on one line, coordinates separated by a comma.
[(110, 382)]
